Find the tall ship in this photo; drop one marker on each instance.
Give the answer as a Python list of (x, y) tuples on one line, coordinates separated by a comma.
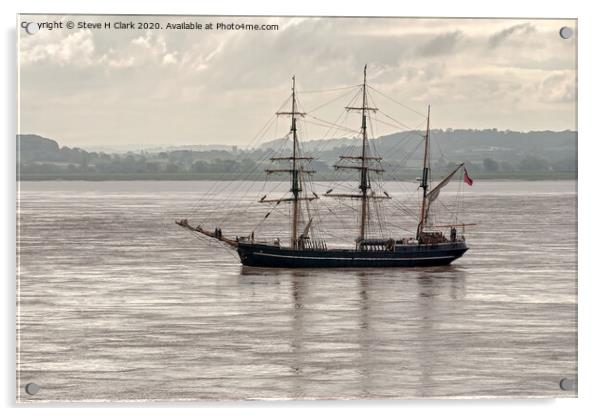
[(432, 244)]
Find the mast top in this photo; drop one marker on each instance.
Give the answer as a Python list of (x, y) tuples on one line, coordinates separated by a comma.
[(364, 106), (294, 111)]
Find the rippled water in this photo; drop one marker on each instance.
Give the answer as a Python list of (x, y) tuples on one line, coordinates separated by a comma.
[(116, 302)]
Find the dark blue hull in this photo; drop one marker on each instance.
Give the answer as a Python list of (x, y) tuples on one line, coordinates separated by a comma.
[(420, 255)]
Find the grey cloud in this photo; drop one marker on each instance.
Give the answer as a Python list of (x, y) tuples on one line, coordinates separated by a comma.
[(441, 44), (558, 88), (497, 38)]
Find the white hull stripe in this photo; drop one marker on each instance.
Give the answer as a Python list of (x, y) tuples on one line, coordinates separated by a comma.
[(355, 258)]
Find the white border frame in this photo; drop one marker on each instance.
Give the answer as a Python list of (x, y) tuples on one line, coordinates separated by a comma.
[(590, 24)]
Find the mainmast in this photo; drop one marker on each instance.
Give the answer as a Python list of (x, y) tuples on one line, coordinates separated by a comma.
[(295, 188), (425, 174), (364, 166), (364, 180)]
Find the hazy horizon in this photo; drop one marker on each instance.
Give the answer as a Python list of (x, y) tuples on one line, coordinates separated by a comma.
[(124, 146), (101, 88)]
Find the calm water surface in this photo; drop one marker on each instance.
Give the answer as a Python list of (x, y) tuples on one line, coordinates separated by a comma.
[(116, 302)]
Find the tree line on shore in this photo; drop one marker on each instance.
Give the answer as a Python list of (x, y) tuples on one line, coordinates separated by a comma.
[(40, 156)]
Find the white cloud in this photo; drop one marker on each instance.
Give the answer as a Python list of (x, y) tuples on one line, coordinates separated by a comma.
[(75, 49), (170, 58), (121, 62)]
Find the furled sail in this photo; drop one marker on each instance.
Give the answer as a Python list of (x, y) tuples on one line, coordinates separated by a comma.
[(306, 229), (434, 193)]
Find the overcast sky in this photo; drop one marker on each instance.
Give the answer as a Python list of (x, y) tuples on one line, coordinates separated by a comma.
[(115, 87)]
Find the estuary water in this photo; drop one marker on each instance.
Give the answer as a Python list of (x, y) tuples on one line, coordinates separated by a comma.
[(117, 303)]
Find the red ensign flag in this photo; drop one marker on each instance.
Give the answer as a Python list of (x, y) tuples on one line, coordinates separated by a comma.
[(467, 178)]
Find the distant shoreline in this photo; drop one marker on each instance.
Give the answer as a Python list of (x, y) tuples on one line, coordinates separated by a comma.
[(95, 177)]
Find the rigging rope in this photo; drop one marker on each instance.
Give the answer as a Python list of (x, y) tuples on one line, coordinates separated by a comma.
[(396, 102), (378, 221)]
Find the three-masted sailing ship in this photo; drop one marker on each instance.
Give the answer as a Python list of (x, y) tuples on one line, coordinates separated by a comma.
[(431, 245)]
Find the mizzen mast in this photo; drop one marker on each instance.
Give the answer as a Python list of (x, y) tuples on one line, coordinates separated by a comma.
[(364, 183), (425, 175)]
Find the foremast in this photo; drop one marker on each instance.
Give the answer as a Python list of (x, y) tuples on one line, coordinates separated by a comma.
[(295, 170), (295, 187)]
